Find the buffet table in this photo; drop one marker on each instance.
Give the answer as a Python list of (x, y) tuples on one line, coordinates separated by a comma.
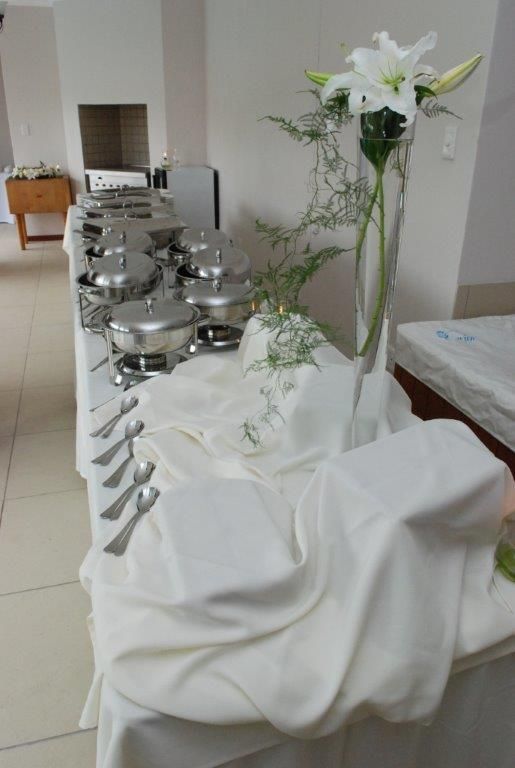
[(469, 728)]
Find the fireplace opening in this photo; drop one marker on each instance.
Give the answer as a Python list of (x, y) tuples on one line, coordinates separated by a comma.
[(114, 138)]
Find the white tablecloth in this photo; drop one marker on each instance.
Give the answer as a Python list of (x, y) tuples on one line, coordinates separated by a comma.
[(131, 736), (470, 363)]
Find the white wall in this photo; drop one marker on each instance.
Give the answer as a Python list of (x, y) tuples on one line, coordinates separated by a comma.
[(489, 248), (6, 147), (256, 53), (29, 62), (110, 52), (185, 79)]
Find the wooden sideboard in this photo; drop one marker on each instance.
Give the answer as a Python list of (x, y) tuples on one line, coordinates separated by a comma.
[(37, 196)]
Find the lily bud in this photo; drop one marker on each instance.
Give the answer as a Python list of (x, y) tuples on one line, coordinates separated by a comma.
[(319, 78), (453, 78)]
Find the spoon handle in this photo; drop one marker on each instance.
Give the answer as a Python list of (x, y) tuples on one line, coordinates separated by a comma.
[(106, 457), (99, 365), (112, 424), (119, 544), (115, 510), (113, 481), (114, 420)]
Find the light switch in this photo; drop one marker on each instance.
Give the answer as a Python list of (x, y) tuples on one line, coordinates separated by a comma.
[(449, 142), (25, 129)]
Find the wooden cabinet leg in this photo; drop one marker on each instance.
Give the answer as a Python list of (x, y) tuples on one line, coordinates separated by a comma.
[(24, 223), (22, 233)]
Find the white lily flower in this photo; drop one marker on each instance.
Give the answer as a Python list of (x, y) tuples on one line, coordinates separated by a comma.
[(383, 77)]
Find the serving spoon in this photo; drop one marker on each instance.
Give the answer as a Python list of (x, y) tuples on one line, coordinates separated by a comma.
[(127, 404), (146, 499), (113, 481), (142, 473), (132, 429)]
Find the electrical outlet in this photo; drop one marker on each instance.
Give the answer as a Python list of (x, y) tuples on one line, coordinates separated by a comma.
[(25, 129), (449, 142)]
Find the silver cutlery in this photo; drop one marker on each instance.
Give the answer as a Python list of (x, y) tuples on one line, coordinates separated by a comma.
[(142, 474), (146, 498), (99, 365), (132, 429), (127, 404), (113, 481)]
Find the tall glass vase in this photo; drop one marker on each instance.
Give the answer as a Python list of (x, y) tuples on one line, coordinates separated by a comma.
[(384, 154)]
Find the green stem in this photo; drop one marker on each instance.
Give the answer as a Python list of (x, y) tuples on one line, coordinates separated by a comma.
[(366, 221), (382, 266)]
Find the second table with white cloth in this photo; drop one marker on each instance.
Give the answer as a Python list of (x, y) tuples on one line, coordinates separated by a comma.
[(279, 600)]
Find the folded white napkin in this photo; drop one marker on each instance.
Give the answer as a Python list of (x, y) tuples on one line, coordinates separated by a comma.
[(233, 606)]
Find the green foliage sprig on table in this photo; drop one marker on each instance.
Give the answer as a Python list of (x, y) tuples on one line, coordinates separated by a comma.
[(337, 200)]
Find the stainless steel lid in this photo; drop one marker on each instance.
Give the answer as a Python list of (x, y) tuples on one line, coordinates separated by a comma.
[(120, 242), (197, 239), (226, 262), (151, 316), (126, 270), (216, 294)]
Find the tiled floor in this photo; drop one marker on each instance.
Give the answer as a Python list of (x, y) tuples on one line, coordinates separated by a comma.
[(45, 659)]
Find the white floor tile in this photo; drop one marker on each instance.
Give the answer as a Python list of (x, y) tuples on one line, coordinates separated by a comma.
[(6, 444), (46, 409), (48, 369), (8, 412), (56, 277), (17, 294), (53, 313), (16, 317), (43, 540), (45, 664), (11, 376), (14, 342), (49, 338), (43, 463), (75, 751), (48, 293)]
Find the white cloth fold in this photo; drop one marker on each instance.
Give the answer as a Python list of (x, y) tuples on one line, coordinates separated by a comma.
[(233, 606), (193, 418)]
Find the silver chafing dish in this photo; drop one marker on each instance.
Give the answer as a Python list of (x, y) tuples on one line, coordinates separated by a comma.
[(118, 243), (119, 277), (117, 198), (142, 210), (162, 226), (192, 240), (222, 305), (228, 264), (150, 332)]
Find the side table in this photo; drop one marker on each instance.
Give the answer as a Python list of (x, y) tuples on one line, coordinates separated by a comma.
[(37, 196)]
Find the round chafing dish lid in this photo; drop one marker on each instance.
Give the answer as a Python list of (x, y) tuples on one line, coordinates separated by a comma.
[(197, 239), (121, 242), (122, 270), (217, 294), (151, 316), (227, 261)]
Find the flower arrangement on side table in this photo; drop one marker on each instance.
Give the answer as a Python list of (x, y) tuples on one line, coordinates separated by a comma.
[(386, 88), (41, 171)]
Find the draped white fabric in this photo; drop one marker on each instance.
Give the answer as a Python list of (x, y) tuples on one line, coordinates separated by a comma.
[(233, 607), (472, 728)]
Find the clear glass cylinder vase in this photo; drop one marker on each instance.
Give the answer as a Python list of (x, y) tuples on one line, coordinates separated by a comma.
[(384, 156)]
